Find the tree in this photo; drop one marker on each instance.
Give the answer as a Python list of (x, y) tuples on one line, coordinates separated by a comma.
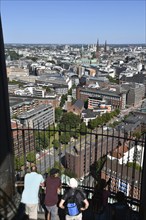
[(59, 166), (137, 134), (117, 111), (115, 123), (64, 127), (46, 88), (56, 144), (96, 167), (112, 80), (58, 114), (106, 117), (14, 82), (75, 134), (34, 59), (65, 138), (134, 165), (42, 140), (19, 162), (83, 128), (70, 173), (86, 104), (14, 55), (51, 131), (31, 157), (63, 99), (99, 121), (69, 120), (70, 91), (92, 124)]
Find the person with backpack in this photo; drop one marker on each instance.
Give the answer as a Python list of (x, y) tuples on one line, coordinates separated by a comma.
[(74, 201)]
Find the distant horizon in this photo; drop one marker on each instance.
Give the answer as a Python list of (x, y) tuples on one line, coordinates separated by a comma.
[(72, 22), (76, 44)]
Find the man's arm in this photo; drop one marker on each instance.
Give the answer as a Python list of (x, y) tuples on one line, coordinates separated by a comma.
[(42, 184), (86, 205), (58, 190), (59, 187), (61, 204)]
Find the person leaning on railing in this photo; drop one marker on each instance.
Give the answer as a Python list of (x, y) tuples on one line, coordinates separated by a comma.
[(32, 183), (53, 186)]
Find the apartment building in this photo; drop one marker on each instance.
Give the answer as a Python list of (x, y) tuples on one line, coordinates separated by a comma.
[(135, 92), (116, 100), (98, 105), (39, 92), (19, 105), (40, 117), (20, 144), (78, 160)]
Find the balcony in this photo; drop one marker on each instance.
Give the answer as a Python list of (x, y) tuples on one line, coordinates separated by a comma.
[(95, 154)]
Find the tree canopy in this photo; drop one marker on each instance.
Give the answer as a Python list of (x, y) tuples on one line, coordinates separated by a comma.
[(58, 114), (65, 138), (63, 99), (69, 121), (31, 157)]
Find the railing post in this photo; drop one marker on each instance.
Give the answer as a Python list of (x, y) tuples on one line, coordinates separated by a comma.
[(6, 153), (143, 186)]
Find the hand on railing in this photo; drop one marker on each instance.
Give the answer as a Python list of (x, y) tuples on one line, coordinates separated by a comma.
[(19, 183)]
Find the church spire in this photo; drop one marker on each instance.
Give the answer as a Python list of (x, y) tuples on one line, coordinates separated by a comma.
[(97, 45), (105, 47), (97, 49)]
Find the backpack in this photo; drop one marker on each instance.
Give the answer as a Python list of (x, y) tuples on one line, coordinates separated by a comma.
[(72, 207)]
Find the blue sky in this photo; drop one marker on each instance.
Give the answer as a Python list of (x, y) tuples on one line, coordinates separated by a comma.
[(71, 21)]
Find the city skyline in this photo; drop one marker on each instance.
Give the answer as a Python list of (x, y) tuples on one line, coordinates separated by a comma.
[(73, 22)]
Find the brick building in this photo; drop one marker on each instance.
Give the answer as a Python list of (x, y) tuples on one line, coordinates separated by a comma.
[(79, 159), (19, 105), (76, 107), (20, 144), (113, 98)]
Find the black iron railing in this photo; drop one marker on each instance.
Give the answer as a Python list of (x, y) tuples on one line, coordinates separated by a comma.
[(86, 156)]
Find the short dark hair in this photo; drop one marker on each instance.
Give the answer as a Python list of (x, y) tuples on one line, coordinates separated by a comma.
[(33, 168), (54, 171)]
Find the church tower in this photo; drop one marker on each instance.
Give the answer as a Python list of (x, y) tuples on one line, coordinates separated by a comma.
[(105, 47), (97, 49)]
